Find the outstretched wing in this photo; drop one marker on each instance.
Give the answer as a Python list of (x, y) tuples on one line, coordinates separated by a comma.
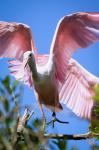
[(15, 39), (74, 31), (77, 90), (22, 73)]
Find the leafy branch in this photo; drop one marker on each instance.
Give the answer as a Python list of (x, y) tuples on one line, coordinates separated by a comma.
[(94, 126), (17, 133)]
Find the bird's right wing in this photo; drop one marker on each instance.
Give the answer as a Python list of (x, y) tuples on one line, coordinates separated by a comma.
[(20, 72), (77, 90), (15, 40)]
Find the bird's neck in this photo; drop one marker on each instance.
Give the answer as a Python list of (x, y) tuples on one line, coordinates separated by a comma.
[(33, 69)]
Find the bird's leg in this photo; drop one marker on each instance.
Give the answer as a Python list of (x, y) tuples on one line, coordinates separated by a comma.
[(44, 118), (43, 115), (55, 120)]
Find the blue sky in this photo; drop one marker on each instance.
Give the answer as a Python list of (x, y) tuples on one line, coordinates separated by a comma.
[(42, 16)]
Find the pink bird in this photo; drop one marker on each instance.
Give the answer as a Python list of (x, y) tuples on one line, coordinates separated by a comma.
[(57, 78)]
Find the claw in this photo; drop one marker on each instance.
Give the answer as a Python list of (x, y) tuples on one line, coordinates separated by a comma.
[(61, 121), (55, 120), (52, 121)]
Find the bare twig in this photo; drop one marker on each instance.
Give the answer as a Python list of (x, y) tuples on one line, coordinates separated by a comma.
[(23, 120)]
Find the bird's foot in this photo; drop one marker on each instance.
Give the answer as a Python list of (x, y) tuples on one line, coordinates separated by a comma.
[(52, 121), (55, 120)]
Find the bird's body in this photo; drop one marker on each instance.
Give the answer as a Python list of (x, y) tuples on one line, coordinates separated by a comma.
[(56, 78), (46, 87)]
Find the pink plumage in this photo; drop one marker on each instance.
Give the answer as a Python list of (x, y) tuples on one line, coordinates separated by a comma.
[(56, 77)]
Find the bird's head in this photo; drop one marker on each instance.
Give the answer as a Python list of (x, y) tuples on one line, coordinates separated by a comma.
[(30, 59)]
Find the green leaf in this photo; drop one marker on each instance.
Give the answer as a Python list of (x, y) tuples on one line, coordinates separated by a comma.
[(8, 121), (61, 144), (96, 89), (6, 83), (96, 110), (1, 114), (14, 86), (37, 123), (6, 105), (96, 98)]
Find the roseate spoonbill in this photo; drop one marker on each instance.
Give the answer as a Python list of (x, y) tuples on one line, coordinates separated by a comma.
[(56, 77)]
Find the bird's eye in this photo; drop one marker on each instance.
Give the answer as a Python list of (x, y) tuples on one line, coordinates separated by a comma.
[(30, 55)]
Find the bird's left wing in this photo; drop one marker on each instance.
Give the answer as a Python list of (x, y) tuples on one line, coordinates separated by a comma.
[(15, 40), (77, 91), (22, 73), (73, 31)]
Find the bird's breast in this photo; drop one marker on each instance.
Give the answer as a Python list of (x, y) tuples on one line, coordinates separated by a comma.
[(45, 87), (47, 91)]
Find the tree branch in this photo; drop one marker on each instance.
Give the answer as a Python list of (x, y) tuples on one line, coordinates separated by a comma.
[(70, 136), (27, 115)]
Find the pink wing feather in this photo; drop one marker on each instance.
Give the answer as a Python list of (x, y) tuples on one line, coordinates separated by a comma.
[(19, 71), (42, 59), (77, 91), (74, 31), (15, 40), (22, 73)]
